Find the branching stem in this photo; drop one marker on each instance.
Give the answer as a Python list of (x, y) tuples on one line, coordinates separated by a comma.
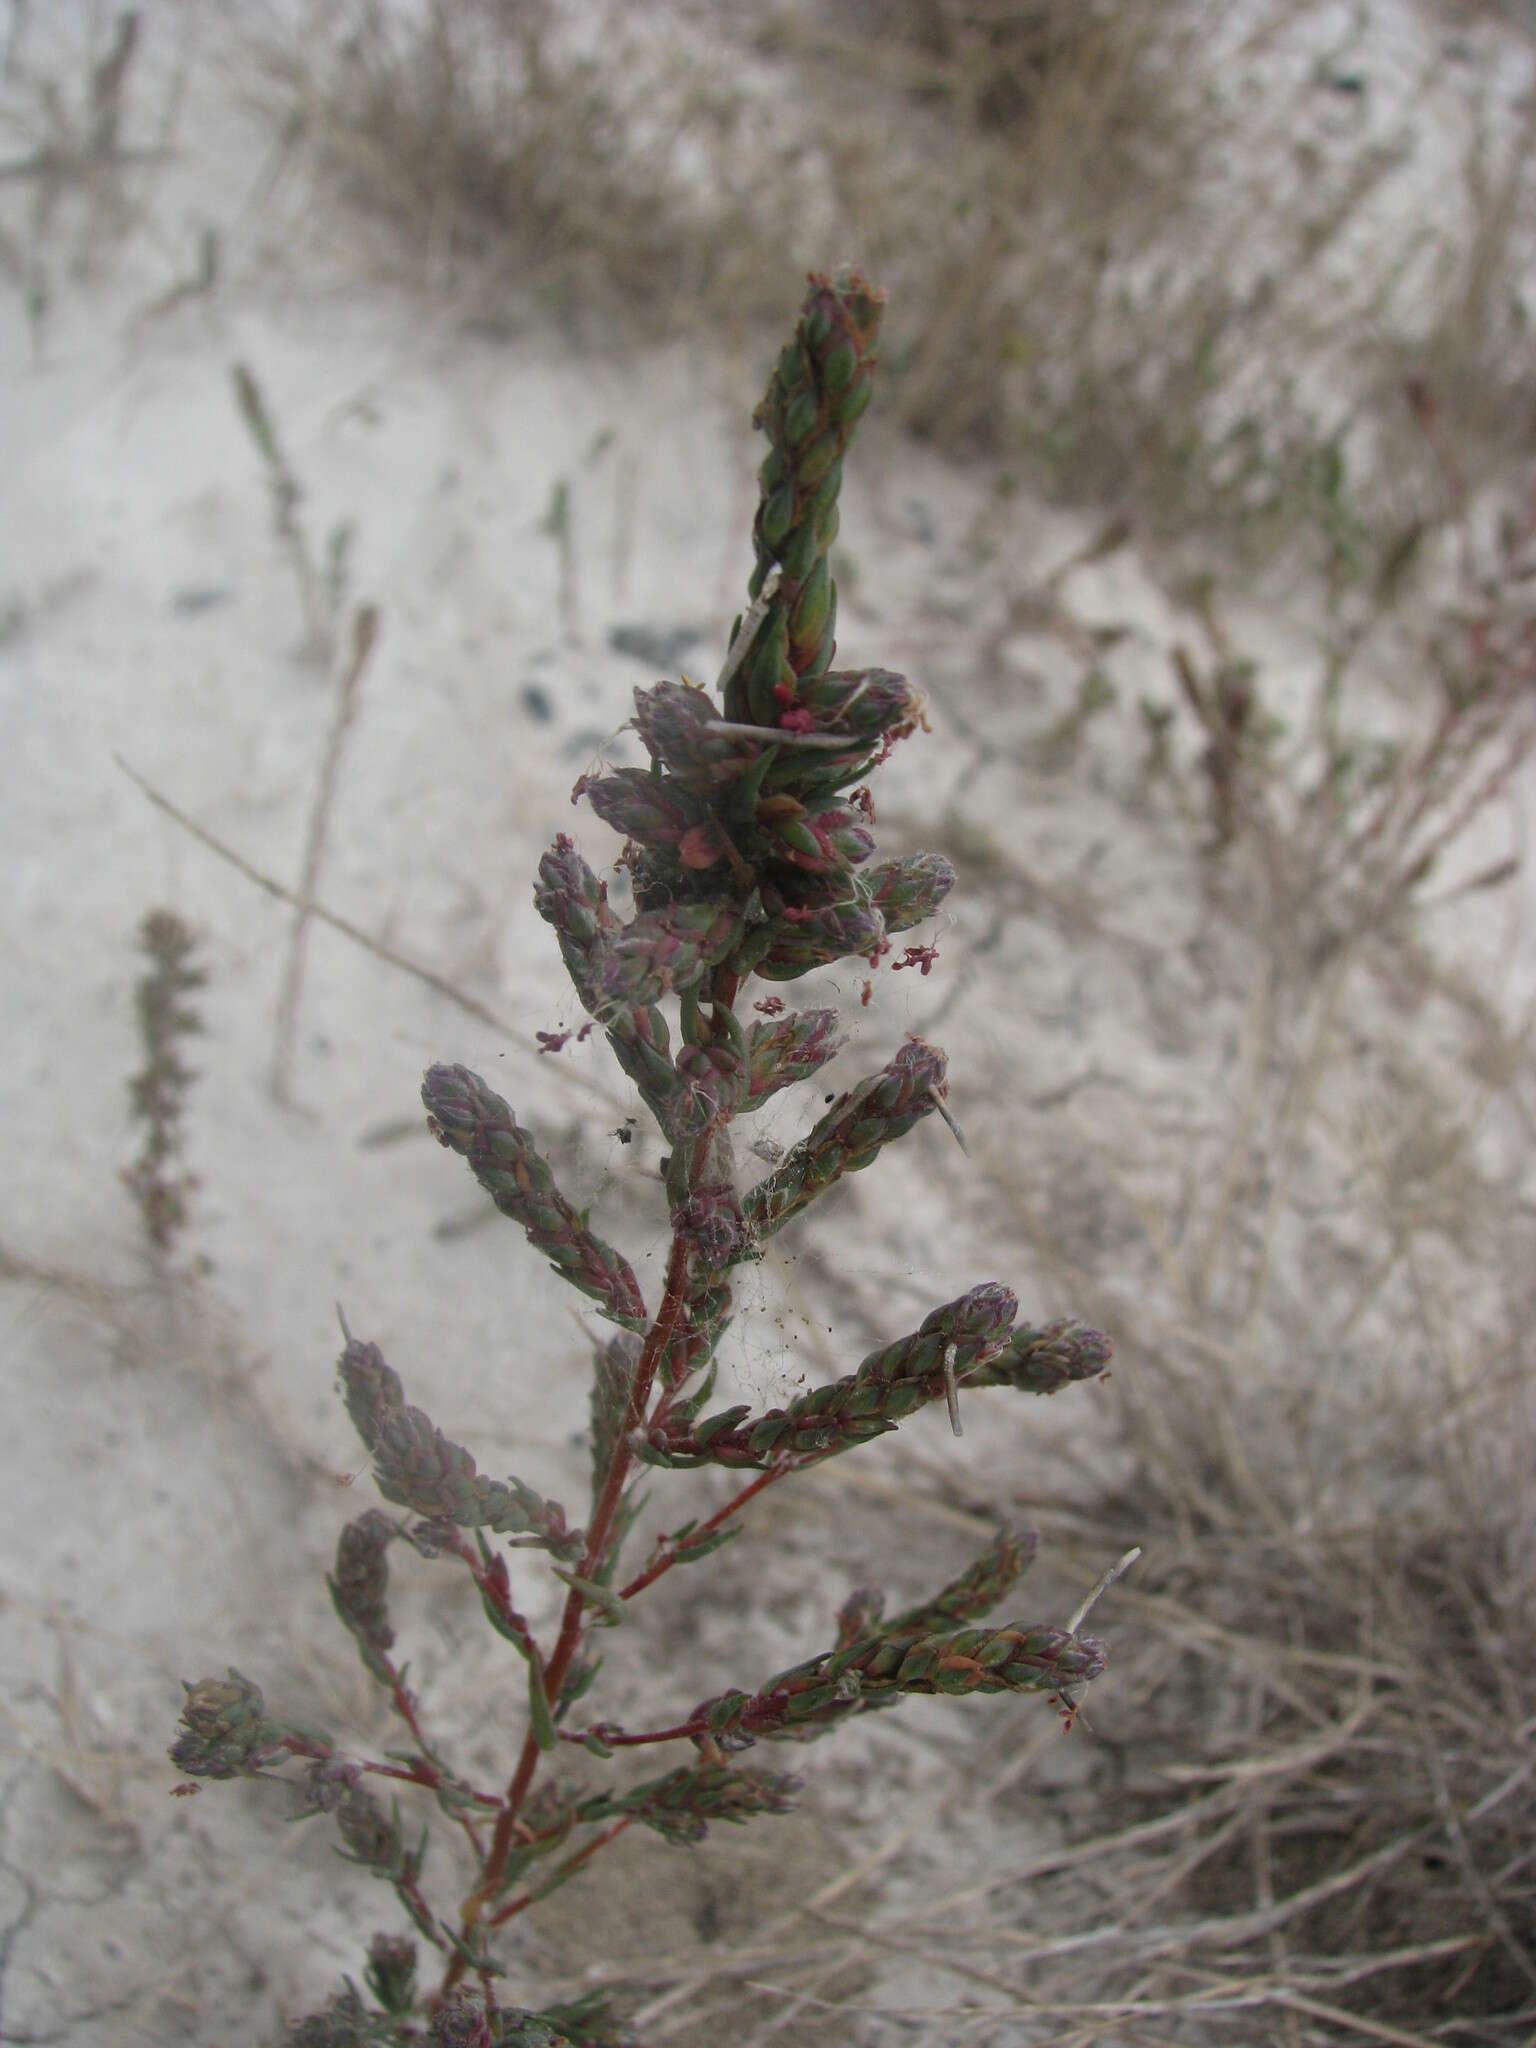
[(657, 1343), (560, 1873), (680, 1550)]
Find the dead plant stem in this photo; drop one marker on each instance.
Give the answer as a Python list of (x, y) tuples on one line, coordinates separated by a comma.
[(365, 629), (471, 1005)]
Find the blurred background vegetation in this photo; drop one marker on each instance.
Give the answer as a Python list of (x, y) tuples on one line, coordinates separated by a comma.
[(1175, 258)]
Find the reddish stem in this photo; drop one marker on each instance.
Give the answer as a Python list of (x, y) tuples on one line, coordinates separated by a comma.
[(615, 1739), (423, 1774), (680, 1550), (405, 1707), (492, 1585), (657, 1342), (564, 1870)]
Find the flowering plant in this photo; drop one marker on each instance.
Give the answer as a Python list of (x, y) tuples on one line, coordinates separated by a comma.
[(751, 850)]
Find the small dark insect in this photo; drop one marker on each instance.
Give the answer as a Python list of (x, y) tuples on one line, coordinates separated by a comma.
[(626, 1132)]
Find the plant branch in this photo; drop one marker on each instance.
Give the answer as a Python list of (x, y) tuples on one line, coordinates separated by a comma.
[(681, 1547), (559, 1874), (657, 1342)]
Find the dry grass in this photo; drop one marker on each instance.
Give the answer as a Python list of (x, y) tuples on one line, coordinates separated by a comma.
[(1181, 268), (1308, 1226), (86, 137), (514, 163), (1152, 260), (1325, 1805), (1314, 1789), (1359, 818)]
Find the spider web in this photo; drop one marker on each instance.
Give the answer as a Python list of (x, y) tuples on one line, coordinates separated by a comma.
[(813, 1303)]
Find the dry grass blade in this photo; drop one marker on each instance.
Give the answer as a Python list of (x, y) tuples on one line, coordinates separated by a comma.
[(514, 151), (365, 628), (1391, 1837)]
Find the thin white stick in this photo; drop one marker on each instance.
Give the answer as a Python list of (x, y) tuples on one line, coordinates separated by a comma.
[(938, 1103), (755, 614), (781, 738), (952, 1387), (1101, 1585)]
